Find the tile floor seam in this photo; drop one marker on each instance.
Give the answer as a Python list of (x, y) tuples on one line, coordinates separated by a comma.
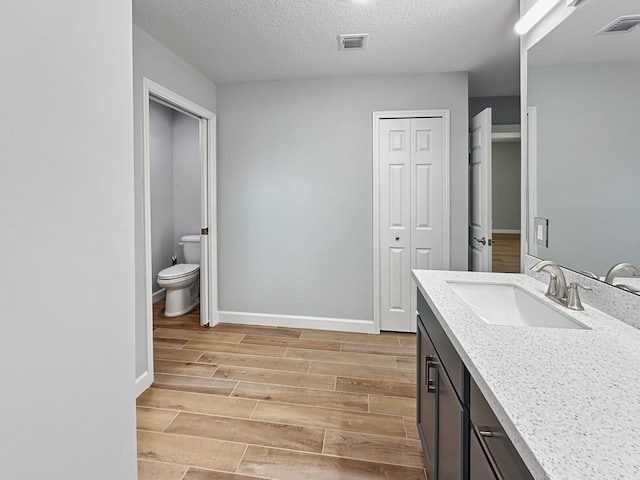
[(307, 404), (233, 391), (280, 402), (373, 415), (373, 461), (254, 409), (214, 372), (242, 458), (338, 457), (188, 376), (324, 439), (360, 432), (232, 417), (199, 438), (249, 355)]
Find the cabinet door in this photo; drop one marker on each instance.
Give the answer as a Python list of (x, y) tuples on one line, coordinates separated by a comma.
[(495, 442), (426, 397), (479, 467), (451, 425)]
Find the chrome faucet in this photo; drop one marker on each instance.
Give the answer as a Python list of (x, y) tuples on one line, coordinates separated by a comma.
[(557, 289), (612, 273)]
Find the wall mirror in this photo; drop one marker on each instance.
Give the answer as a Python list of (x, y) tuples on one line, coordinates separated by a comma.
[(583, 97)]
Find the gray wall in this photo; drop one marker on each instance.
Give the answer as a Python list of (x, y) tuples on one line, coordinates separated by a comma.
[(66, 204), (156, 62), (295, 188), (186, 178), (161, 153), (506, 185), (588, 162), (504, 110)]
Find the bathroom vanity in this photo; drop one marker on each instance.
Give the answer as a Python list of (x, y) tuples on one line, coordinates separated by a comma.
[(552, 399)]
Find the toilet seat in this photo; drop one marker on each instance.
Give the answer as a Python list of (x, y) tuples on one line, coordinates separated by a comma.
[(178, 271)]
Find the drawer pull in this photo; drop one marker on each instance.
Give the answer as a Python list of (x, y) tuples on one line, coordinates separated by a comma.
[(429, 382), (484, 432)]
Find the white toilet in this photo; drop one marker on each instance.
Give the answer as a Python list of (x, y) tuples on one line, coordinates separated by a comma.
[(182, 281)]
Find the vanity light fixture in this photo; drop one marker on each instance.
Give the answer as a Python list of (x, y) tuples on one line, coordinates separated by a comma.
[(534, 15)]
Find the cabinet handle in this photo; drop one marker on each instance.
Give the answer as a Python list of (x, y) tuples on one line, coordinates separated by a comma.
[(485, 432), (428, 381)]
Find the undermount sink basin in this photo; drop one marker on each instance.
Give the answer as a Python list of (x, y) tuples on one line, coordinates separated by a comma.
[(508, 304)]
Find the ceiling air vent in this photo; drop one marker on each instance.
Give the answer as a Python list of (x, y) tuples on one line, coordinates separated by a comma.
[(353, 42), (622, 24)]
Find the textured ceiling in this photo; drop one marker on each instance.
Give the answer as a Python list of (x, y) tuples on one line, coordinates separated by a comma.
[(575, 39), (245, 40)]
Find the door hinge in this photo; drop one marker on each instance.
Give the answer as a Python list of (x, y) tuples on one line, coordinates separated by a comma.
[(204, 231)]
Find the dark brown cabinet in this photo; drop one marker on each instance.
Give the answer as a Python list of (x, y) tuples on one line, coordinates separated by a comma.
[(461, 436), (479, 466), (441, 415), (426, 408)]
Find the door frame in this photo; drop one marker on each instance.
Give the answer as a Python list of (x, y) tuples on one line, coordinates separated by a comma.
[(152, 91), (446, 189)]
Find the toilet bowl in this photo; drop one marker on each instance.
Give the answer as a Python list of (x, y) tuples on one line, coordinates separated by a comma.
[(182, 281)]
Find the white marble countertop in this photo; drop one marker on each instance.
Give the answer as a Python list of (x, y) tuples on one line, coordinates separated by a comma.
[(568, 399)]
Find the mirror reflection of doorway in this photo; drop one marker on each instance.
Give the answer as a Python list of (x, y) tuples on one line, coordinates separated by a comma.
[(506, 198)]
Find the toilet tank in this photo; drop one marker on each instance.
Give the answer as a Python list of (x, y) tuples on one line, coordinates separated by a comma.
[(191, 248)]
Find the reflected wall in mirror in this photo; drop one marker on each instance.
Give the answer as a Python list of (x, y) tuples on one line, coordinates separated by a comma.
[(584, 88)]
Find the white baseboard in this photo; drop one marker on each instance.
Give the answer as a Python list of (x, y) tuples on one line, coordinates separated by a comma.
[(295, 321), (143, 382), (159, 295), (507, 231)]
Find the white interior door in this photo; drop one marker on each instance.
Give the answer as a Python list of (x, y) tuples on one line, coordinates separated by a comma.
[(411, 162), (395, 234), (480, 222)]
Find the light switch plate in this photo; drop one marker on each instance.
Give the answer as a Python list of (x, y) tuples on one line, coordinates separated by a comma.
[(541, 226)]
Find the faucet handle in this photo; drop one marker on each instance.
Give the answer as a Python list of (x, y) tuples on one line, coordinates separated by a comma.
[(589, 274), (573, 299), (552, 289)]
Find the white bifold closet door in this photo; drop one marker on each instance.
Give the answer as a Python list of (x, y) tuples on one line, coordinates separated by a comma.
[(411, 213)]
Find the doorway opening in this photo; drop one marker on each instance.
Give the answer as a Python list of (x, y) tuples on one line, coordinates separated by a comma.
[(179, 178), (494, 196), (506, 175)]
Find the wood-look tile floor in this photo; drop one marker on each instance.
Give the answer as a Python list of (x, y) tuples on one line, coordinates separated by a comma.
[(247, 402), (506, 252)]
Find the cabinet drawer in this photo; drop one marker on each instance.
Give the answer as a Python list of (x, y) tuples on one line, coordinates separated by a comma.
[(497, 447), (479, 466), (444, 348)]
